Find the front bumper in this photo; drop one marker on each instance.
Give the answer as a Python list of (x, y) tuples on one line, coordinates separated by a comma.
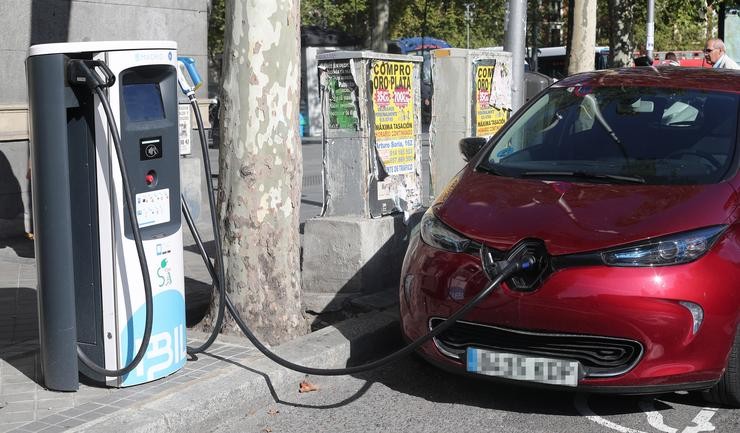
[(639, 305)]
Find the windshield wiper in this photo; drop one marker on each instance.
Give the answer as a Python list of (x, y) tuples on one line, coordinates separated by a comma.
[(584, 175), (489, 169)]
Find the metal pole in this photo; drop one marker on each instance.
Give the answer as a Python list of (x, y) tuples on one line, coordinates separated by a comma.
[(533, 55), (514, 30), (649, 44), (468, 19)]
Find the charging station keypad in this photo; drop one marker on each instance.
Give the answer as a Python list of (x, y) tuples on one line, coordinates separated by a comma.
[(153, 207)]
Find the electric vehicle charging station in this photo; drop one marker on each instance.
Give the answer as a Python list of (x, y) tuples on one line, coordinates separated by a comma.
[(91, 291)]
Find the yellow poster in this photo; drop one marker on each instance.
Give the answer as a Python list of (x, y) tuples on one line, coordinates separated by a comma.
[(393, 107), (488, 119)]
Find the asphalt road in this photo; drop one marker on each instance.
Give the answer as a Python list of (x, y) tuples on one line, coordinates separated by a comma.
[(412, 396)]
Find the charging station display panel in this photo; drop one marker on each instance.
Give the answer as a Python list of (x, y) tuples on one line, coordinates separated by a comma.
[(143, 101), (149, 123)]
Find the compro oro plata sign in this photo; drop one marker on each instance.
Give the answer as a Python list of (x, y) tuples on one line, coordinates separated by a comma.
[(393, 108)]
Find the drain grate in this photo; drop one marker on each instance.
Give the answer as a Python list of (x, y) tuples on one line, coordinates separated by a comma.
[(313, 180)]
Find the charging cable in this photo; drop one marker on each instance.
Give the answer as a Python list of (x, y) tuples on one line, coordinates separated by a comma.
[(82, 73), (509, 270)]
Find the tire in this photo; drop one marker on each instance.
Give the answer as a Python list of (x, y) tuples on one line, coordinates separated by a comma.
[(727, 390)]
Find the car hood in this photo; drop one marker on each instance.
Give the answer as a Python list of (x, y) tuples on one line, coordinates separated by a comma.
[(573, 217)]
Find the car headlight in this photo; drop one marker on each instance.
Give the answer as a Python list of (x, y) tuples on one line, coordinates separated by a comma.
[(436, 234), (670, 250)]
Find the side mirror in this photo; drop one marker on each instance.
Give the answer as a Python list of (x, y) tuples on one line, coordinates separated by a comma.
[(470, 146)]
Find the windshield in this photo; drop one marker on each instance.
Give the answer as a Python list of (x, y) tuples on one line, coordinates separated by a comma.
[(613, 134)]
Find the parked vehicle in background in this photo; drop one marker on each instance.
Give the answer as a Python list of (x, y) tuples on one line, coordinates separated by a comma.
[(614, 198), (421, 46), (551, 61)]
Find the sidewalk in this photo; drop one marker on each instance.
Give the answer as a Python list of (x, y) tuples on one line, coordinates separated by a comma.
[(231, 376)]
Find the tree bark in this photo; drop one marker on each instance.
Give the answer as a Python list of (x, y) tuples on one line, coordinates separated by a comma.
[(260, 167), (379, 35), (583, 37), (621, 16)]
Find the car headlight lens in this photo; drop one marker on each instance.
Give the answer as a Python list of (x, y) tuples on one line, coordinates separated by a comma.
[(671, 250), (436, 234)]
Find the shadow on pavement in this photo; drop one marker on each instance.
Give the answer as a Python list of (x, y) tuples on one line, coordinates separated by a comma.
[(19, 330), (21, 247)]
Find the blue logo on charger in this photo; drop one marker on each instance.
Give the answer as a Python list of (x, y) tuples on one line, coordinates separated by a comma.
[(167, 345), (169, 55)]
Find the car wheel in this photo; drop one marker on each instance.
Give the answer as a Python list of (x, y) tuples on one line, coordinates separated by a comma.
[(727, 390)]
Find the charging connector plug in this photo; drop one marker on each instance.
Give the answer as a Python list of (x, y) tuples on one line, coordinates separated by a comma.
[(84, 73)]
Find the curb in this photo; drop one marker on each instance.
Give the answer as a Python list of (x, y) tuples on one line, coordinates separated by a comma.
[(253, 381)]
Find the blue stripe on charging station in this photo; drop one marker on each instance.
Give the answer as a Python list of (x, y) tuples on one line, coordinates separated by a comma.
[(472, 355)]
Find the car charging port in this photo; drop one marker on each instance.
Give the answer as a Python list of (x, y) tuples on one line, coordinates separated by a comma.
[(530, 254)]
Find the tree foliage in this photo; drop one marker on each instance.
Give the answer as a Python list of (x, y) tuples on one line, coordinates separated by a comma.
[(679, 24), (216, 27)]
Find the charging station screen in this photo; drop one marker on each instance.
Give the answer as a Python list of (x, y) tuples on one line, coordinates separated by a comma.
[(143, 102)]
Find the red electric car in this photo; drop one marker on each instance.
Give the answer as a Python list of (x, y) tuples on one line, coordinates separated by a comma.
[(620, 188)]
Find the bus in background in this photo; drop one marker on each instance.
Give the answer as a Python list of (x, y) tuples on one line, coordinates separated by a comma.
[(551, 61), (421, 46), (729, 28)]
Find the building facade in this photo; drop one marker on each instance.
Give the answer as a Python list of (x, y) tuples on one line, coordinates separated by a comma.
[(29, 22)]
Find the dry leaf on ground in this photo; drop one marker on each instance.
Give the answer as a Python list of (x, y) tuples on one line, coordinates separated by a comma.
[(273, 412), (307, 386)]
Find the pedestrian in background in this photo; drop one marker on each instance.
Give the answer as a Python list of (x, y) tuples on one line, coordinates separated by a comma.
[(715, 55), (671, 59)]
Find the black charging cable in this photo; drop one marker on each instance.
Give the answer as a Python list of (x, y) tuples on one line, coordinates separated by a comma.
[(511, 268), (219, 275), (82, 72)]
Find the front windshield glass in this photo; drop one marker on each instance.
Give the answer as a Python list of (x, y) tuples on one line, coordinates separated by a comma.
[(612, 134)]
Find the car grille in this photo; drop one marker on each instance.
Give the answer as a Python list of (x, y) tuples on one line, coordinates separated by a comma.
[(599, 356)]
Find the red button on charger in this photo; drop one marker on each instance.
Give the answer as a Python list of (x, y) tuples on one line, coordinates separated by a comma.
[(150, 177)]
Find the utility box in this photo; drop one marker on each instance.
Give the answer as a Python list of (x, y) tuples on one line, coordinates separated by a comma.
[(472, 98), (370, 104), (371, 132)]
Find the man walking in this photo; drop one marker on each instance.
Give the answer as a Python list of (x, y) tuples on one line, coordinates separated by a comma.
[(715, 55)]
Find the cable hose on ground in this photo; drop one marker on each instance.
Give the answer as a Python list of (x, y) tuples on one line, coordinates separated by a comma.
[(442, 327), (129, 204), (225, 300)]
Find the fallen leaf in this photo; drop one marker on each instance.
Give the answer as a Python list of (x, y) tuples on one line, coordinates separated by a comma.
[(307, 386), (267, 429), (273, 412)]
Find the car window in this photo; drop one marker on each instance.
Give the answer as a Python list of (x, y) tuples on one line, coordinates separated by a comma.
[(664, 136)]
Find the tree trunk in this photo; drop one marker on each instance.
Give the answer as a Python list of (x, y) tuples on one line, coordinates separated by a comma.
[(379, 35), (583, 37), (621, 16), (260, 167)]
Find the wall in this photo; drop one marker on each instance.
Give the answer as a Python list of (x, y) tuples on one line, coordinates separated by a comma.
[(28, 22)]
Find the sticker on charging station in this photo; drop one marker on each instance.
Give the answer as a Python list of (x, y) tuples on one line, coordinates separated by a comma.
[(167, 345), (153, 207), (150, 148)]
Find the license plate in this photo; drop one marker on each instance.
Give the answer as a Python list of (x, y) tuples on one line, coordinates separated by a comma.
[(521, 367)]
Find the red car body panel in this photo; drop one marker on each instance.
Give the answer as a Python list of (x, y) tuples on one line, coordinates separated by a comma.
[(578, 217), (636, 303)]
